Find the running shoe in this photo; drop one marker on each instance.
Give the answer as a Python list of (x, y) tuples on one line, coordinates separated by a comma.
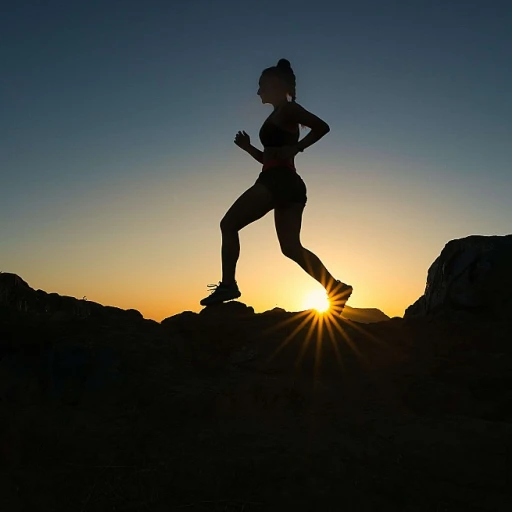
[(221, 293), (338, 296)]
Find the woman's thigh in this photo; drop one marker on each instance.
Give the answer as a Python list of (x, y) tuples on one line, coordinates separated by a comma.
[(288, 222), (252, 205)]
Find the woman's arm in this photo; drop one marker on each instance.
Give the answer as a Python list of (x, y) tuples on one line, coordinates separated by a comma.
[(255, 153), (296, 113)]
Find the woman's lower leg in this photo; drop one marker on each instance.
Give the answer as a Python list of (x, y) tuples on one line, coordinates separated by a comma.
[(311, 263), (230, 252)]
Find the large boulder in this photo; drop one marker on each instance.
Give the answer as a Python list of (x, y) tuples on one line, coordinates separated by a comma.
[(472, 275)]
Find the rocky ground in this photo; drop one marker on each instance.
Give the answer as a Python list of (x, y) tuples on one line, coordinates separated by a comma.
[(227, 410)]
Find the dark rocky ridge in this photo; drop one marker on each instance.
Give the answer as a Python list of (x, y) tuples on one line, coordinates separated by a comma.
[(229, 410)]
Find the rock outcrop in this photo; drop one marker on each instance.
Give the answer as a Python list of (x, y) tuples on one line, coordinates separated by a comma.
[(17, 297), (471, 277)]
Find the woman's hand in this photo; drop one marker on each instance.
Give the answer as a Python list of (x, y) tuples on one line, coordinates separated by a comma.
[(242, 140)]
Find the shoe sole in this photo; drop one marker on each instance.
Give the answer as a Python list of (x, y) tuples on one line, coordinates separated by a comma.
[(206, 302)]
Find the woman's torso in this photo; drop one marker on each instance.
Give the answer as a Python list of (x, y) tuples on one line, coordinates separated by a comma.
[(276, 133)]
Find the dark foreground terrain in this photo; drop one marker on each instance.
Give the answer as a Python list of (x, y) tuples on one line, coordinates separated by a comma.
[(227, 410)]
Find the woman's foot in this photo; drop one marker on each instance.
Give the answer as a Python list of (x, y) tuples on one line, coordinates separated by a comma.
[(220, 293), (338, 295)]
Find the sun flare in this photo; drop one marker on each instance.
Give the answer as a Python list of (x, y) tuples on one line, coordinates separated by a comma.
[(316, 300)]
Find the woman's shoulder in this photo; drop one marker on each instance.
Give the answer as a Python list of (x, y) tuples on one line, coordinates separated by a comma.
[(287, 112), (291, 111)]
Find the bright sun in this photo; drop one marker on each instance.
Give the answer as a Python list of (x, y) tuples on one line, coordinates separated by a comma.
[(316, 300)]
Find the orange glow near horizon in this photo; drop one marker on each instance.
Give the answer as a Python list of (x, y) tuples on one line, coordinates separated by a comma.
[(154, 245)]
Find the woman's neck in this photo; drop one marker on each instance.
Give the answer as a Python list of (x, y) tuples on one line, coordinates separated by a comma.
[(280, 104)]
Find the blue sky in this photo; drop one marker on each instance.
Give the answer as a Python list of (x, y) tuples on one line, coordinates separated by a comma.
[(117, 158)]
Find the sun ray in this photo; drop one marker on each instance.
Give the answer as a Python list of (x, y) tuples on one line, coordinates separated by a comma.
[(318, 351), (332, 338), (286, 321), (306, 342), (366, 334), (322, 319), (289, 337), (350, 343)]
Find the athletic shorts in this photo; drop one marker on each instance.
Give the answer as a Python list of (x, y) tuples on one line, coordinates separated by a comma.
[(285, 185)]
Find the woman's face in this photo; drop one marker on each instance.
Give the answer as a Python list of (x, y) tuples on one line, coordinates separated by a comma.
[(271, 89)]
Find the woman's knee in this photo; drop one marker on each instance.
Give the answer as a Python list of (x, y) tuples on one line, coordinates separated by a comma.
[(227, 225), (292, 250)]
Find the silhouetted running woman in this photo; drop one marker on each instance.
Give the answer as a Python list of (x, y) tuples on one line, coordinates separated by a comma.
[(278, 187)]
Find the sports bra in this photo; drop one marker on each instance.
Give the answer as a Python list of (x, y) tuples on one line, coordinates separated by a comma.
[(272, 135)]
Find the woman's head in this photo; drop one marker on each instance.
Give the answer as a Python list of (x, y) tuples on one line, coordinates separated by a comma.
[(276, 83)]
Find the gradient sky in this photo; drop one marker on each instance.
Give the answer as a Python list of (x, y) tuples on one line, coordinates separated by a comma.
[(117, 160)]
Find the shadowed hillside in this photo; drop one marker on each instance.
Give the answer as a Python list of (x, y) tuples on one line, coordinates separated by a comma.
[(230, 410)]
